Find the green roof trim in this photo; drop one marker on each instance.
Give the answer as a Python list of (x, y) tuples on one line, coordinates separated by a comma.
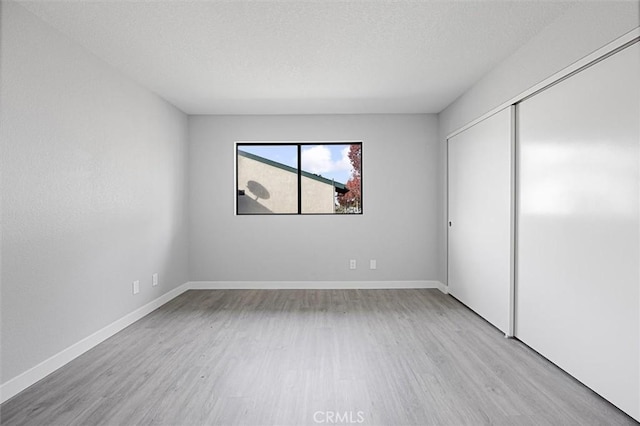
[(340, 187)]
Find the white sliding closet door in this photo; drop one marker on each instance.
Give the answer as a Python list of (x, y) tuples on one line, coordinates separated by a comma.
[(479, 257), (578, 282)]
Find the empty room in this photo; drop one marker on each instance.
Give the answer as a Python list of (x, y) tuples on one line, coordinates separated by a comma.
[(306, 212)]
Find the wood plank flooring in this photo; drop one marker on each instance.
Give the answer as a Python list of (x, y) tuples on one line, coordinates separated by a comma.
[(305, 357)]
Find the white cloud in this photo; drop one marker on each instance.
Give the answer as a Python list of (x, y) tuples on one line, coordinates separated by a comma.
[(345, 162), (318, 160)]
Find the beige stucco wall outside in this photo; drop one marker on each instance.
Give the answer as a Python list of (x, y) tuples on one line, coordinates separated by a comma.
[(317, 197), (270, 189)]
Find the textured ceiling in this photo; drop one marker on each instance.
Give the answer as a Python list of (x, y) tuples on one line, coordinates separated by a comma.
[(283, 57)]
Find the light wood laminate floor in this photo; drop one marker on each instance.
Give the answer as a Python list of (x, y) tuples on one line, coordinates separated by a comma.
[(305, 357)]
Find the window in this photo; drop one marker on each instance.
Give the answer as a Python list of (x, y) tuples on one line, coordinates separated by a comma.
[(299, 178)]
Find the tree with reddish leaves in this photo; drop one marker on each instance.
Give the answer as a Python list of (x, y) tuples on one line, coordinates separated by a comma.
[(351, 202)]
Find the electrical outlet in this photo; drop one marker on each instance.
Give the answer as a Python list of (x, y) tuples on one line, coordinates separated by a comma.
[(154, 279), (136, 287), (373, 264), (352, 264)]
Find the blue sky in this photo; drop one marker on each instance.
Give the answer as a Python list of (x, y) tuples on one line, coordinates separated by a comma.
[(329, 161)]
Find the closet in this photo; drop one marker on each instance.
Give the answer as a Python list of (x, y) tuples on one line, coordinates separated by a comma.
[(574, 256)]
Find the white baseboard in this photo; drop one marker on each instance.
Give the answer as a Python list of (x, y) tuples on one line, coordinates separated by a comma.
[(40, 371), (312, 285)]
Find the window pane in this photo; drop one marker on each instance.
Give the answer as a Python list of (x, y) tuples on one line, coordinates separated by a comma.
[(267, 179), (331, 176)]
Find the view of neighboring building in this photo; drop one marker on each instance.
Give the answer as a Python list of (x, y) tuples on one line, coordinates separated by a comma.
[(266, 186)]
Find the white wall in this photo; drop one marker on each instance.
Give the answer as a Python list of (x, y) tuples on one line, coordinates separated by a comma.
[(584, 29), (94, 193), (398, 227)]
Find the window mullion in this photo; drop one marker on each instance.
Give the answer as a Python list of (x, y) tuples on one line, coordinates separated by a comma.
[(299, 179)]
